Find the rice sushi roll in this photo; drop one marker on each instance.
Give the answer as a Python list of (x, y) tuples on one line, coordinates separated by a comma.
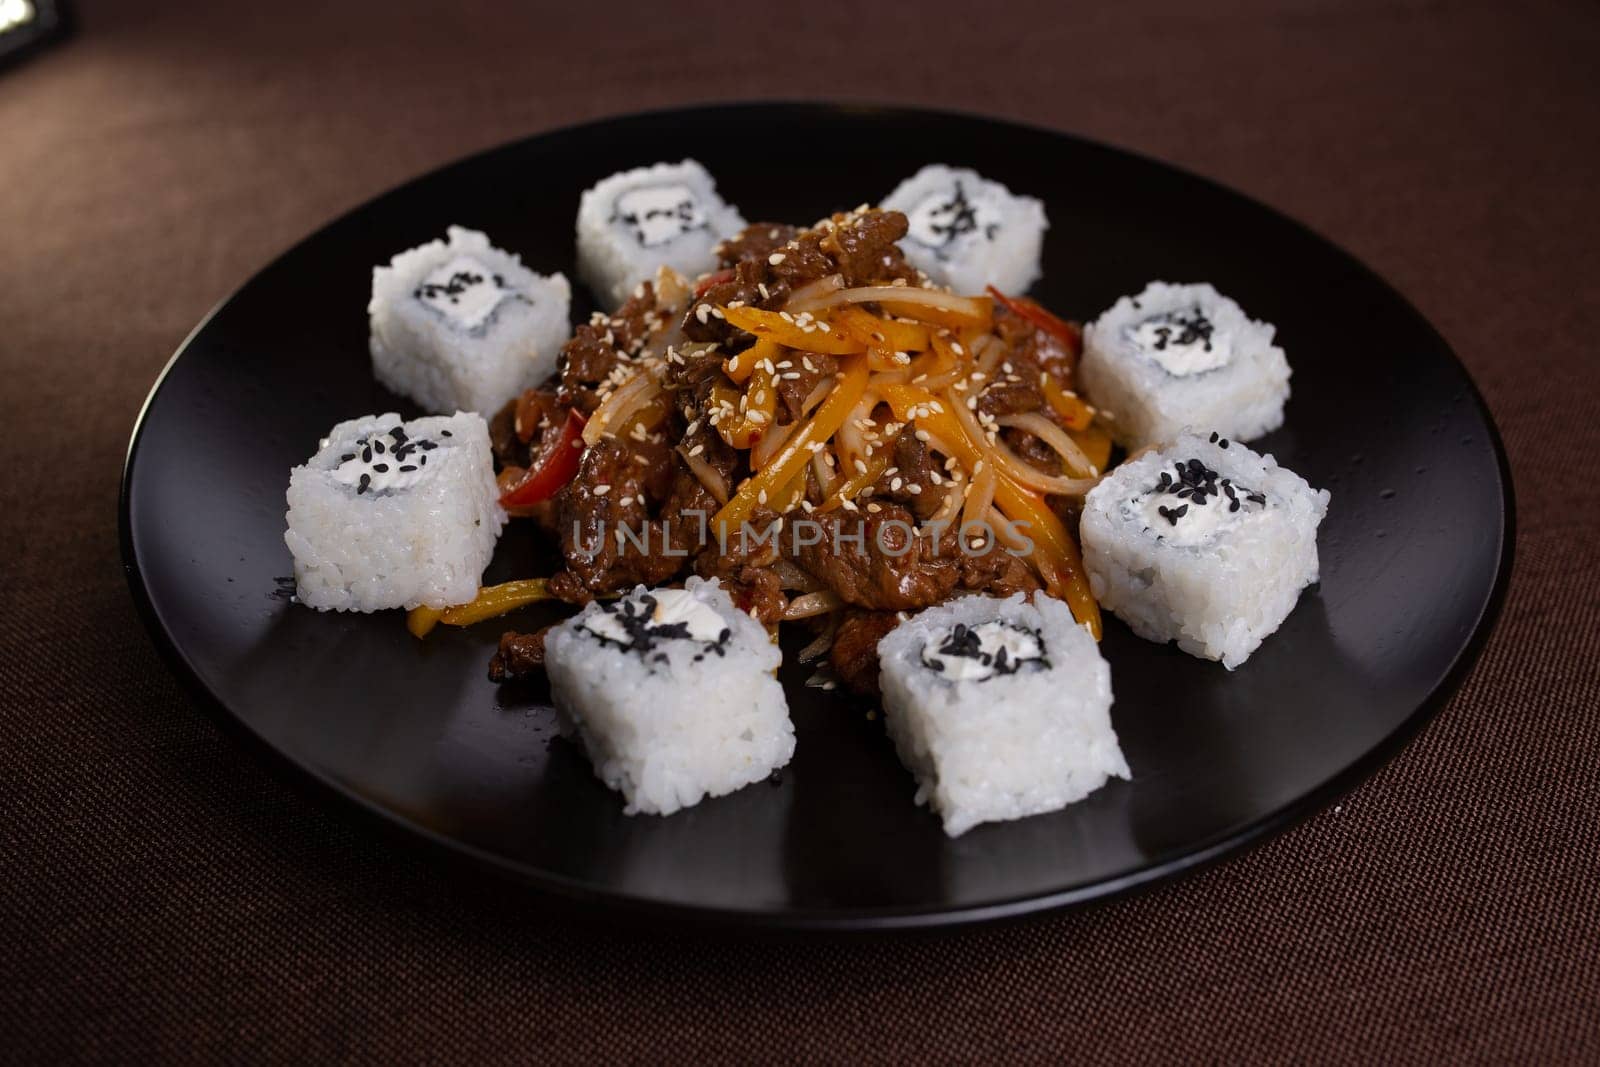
[(633, 223), (459, 325), (672, 694), (967, 232), (394, 514), (1183, 355), (1202, 542), (1000, 708)]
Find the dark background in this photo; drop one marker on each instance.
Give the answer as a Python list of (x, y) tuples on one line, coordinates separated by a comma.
[(163, 895)]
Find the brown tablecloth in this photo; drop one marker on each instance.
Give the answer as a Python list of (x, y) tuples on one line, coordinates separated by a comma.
[(161, 894)]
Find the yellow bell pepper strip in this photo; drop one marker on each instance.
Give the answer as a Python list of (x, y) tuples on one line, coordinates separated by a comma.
[(785, 329), (883, 337), (493, 600), (1096, 444), (741, 366), (976, 312), (796, 452), (908, 401), (1055, 553), (1074, 413), (742, 429), (421, 620)]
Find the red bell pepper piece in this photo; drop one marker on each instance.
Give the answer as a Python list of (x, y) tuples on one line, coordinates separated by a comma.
[(554, 468), (1069, 333), (710, 280)]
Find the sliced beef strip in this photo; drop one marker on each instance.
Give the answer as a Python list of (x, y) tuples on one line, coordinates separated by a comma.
[(753, 284), (520, 656), (811, 368), (875, 560), (995, 571), (865, 250), (755, 242), (599, 345), (913, 465), (854, 655), (596, 562)]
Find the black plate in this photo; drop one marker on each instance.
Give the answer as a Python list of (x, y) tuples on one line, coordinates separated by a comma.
[(1415, 550)]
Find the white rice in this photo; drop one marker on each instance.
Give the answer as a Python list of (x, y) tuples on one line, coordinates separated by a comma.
[(672, 726), (968, 232), (423, 350), (1218, 598), (1242, 398), (1009, 745), (632, 223), (425, 543)]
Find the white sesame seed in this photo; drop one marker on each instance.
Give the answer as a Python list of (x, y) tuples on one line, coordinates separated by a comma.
[(776, 258)]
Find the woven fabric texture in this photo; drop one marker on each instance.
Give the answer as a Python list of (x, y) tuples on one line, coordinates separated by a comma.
[(164, 897)]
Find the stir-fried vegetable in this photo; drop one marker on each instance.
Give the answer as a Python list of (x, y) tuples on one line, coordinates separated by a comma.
[(776, 475), (556, 464), (491, 602)]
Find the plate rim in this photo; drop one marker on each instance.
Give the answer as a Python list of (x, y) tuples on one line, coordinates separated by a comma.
[(320, 787)]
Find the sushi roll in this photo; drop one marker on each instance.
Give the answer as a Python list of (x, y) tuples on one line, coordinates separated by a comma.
[(999, 708), (635, 222), (968, 232), (393, 514), (459, 325), (1202, 542), (1183, 355), (672, 694)]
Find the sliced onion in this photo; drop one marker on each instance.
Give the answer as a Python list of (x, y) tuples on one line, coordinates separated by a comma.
[(624, 400), (979, 497), (822, 644), (807, 296), (708, 475), (769, 444), (1012, 465), (902, 294), (792, 576), (827, 480), (809, 604), (1054, 436)]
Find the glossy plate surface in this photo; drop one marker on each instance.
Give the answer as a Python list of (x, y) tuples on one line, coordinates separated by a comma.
[(1415, 550)]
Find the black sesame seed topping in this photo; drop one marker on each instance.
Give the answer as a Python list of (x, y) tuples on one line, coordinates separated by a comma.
[(366, 483), (408, 467), (1172, 515), (446, 433), (381, 468), (965, 643)]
